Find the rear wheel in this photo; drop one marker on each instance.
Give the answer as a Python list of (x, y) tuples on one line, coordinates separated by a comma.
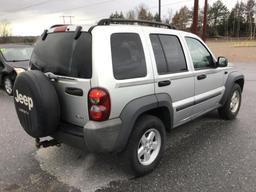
[(8, 85), (231, 108), (146, 145)]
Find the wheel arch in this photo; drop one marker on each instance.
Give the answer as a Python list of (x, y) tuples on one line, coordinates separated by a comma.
[(240, 82), (159, 105), (234, 77), (11, 74)]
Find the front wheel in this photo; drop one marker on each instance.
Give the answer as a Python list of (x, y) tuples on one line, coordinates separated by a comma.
[(231, 108), (146, 145), (8, 85)]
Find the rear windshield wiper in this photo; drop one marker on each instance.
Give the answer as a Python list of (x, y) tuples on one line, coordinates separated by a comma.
[(17, 60), (51, 75)]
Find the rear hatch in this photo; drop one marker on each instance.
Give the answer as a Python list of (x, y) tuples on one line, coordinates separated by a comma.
[(67, 57)]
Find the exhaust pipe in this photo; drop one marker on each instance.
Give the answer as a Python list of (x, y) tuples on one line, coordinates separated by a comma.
[(46, 143)]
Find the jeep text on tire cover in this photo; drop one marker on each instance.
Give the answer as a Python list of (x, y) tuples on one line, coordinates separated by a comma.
[(24, 100)]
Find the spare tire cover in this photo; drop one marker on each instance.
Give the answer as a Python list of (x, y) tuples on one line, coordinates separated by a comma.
[(36, 102)]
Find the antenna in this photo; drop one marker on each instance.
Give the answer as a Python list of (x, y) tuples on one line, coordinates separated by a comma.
[(64, 17)]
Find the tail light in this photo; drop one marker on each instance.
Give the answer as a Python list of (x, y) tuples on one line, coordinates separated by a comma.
[(98, 104)]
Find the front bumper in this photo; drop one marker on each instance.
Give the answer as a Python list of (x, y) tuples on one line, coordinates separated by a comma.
[(98, 137)]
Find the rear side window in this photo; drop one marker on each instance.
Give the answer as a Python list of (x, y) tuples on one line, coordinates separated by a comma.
[(61, 54), (127, 56), (162, 67), (168, 53)]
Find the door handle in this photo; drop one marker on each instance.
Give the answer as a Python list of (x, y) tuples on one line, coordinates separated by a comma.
[(164, 83), (200, 77), (74, 91)]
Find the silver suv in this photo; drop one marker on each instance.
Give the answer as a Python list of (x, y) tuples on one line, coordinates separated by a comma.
[(120, 85)]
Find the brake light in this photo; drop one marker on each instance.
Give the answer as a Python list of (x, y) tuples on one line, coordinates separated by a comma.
[(98, 104), (60, 29)]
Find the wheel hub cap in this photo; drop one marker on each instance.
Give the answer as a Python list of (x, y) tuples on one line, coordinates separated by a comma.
[(149, 146), (8, 86), (235, 101)]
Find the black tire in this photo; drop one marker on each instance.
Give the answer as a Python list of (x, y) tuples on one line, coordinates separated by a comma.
[(37, 104), (8, 85), (144, 124), (226, 111)]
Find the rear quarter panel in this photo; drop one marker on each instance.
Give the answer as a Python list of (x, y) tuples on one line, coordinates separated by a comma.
[(121, 91)]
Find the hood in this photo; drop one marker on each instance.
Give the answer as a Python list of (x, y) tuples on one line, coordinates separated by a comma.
[(18, 64)]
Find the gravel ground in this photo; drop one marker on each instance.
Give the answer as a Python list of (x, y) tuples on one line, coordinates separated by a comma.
[(235, 51)]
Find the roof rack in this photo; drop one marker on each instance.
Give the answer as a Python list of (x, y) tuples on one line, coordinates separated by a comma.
[(128, 21)]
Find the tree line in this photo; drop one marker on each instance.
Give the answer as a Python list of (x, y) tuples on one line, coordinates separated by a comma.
[(6, 37), (240, 21)]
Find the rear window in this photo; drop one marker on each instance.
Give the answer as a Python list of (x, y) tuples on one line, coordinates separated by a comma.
[(16, 53), (61, 54), (127, 56)]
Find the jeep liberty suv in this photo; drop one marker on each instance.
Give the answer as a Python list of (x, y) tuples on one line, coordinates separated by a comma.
[(120, 85)]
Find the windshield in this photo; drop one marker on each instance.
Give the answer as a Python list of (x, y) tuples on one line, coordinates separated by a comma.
[(17, 54), (61, 54)]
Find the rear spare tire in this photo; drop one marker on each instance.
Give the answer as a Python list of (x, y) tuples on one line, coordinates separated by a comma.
[(36, 102)]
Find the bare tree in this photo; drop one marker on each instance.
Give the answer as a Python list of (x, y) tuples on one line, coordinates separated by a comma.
[(131, 15), (250, 16), (142, 12), (181, 18), (5, 29), (254, 31), (217, 15), (117, 15)]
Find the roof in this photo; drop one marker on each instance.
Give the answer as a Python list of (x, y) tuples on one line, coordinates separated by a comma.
[(109, 22), (87, 27), (124, 24)]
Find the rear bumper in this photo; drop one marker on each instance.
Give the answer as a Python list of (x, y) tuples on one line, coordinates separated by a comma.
[(96, 137)]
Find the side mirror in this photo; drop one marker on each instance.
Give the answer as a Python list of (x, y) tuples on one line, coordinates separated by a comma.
[(222, 62)]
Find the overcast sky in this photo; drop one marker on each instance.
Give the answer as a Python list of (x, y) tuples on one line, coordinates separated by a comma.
[(31, 17)]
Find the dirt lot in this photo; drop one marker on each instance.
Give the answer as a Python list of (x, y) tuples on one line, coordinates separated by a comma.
[(235, 51)]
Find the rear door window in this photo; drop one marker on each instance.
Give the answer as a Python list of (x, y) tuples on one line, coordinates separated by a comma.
[(168, 53), (61, 54), (127, 56)]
